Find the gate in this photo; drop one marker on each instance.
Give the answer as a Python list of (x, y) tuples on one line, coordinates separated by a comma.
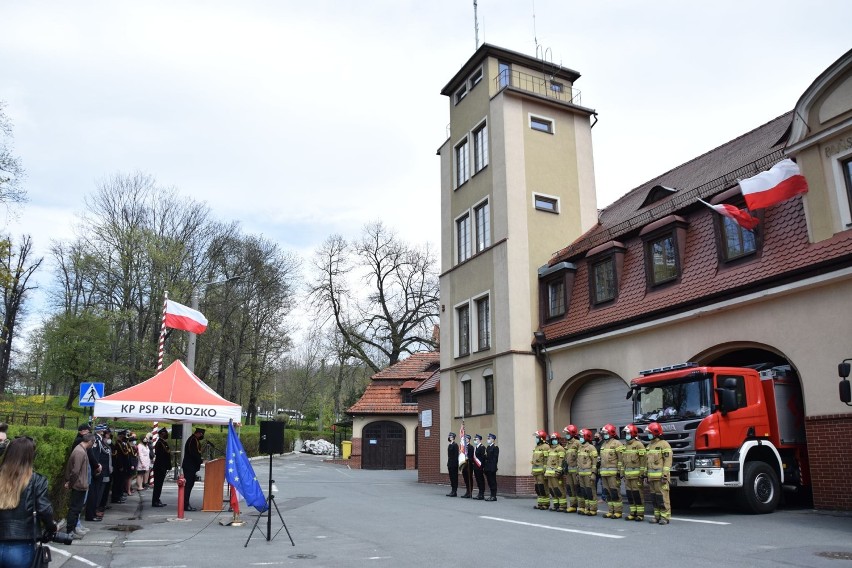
[(383, 446)]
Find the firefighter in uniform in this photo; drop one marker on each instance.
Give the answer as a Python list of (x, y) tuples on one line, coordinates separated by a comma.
[(587, 461), (553, 474), (572, 480), (611, 467), (633, 470), (658, 456), (539, 457)]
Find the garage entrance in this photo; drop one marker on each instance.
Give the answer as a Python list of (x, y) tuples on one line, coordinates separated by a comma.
[(601, 401), (383, 446)]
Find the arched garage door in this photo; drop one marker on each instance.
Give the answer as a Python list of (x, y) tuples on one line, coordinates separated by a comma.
[(601, 401), (383, 446)]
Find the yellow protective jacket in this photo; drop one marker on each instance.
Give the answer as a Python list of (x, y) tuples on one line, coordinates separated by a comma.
[(611, 457), (658, 456), (539, 458), (555, 457), (571, 447), (587, 459), (633, 459)]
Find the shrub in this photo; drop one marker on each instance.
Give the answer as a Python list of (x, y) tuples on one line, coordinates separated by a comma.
[(53, 446)]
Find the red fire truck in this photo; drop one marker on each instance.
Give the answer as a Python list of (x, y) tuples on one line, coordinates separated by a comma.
[(739, 429)]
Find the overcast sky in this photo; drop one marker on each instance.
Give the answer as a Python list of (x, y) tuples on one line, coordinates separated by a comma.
[(302, 119)]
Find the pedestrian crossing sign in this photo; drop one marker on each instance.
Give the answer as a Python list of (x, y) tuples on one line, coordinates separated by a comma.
[(90, 392)]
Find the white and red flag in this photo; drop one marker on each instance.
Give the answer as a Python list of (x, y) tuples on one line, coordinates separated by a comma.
[(781, 182), (182, 317), (742, 217), (462, 445)]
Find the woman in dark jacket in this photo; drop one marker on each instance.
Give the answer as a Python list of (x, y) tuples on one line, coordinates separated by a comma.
[(21, 491)]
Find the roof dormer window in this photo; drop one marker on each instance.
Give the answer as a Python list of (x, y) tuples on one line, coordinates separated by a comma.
[(657, 193)]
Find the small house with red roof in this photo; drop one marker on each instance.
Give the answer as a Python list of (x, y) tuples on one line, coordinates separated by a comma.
[(385, 419)]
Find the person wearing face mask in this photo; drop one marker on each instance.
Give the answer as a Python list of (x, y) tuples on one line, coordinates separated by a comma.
[(610, 470), (106, 467), (572, 480), (492, 454), (658, 456), (191, 464), (478, 464), (587, 461), (467, 467), (453, 464), (162, 464), (632, 470), (539, 457), (553, 474)]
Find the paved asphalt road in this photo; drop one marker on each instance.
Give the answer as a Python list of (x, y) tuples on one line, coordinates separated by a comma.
[(342, 517)]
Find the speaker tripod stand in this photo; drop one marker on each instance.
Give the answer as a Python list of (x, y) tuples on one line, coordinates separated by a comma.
[(270, 503)]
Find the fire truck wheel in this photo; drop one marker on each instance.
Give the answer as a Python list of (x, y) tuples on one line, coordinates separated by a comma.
[(761, 491)]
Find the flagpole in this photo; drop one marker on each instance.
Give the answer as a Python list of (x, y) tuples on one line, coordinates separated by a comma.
[(162, 333)]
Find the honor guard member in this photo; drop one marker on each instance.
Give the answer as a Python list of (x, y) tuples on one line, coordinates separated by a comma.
[(162, 464), (453, 464), (587, 462), (191, 464), (633, 470), (553, 471), (478, 465), (467, 467), (572, 480), (658, 456), (120, 466), (492, 454), (539, 457), (610, 470)]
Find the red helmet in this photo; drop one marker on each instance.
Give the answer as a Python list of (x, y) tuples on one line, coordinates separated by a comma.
[(587, 434), (655, 429), (570, 431), (554, 436), (630, 429), (541, 434), (609, 429)]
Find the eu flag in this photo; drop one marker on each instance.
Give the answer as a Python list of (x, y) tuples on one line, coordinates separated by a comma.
[(240, 473)]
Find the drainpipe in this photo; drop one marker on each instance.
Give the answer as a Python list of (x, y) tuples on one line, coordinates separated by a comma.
[(544, 360)]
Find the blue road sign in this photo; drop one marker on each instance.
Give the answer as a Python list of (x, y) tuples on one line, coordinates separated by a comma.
[(90, 392)]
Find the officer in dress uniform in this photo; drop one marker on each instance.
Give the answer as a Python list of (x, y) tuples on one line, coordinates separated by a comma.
[(611, 466), (539, 458), (658, 456), (467, 467), (162, 464), (453, 464), (191, 464), (492, 454), (633, 470), (120, 466), (587, 462), (478, 465), (572, 480)]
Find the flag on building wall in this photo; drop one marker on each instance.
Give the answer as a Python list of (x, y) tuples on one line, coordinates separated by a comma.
[(742, 217), (781, 182), (240, 473), (182, 317)]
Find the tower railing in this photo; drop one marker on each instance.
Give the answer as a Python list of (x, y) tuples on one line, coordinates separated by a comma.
[(552, 88)]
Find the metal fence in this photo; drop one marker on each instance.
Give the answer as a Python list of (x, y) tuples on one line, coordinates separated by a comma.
[(41, 419)]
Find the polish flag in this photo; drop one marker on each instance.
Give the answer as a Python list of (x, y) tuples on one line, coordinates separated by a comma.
[(179, 316), (781, 182), (741, 216)]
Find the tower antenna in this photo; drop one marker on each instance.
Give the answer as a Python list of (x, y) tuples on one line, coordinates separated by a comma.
[(476, 24)]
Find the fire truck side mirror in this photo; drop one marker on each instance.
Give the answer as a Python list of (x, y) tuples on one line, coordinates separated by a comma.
[(727, 400), (843, 370), (845, 391)]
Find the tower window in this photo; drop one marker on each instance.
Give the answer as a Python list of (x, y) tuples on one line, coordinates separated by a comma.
[(541, 124), (545, 203)]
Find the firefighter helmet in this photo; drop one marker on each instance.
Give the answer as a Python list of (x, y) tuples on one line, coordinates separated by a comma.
[(655, 429), (554, 436), (586, 434), (609, 429), (630, 429), (541, 434), (570, 431)]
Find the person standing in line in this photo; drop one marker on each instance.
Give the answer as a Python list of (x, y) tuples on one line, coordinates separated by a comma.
[(133, 458), (611, 467), (492, 454), (191, 465), (587, 463), (453, 464), (553, 474), (106, 464), (101, 452), (572, 480), (23, 493), (633, 470), (143, 463), (120, 466), (539, 458), (77, 481), (162, 464), (658, 456), (478, 465), (467, 467)]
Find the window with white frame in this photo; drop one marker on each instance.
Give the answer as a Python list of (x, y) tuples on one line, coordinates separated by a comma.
[(462, 155), (541, 124), (467, 398), (480, 147), (476, 78), (463, 320), (461, 93), (488, 383), (546, 203), (482, 219), (463, 237), (483, 323), (846, 166)]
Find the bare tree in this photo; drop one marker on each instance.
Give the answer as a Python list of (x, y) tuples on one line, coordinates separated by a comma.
[(21, 267), (400, 307), (11, 172)]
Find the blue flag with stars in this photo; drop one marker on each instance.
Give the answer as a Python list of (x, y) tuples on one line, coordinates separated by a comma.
[(240, 473)]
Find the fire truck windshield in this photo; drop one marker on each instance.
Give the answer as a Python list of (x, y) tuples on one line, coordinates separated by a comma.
[(671, 401)]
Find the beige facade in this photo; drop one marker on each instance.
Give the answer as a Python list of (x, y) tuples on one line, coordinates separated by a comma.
[(510, 196)]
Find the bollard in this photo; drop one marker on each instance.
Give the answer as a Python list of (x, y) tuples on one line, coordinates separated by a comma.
[(180, 483)]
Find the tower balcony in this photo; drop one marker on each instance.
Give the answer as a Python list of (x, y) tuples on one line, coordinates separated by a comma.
[(551, 88)]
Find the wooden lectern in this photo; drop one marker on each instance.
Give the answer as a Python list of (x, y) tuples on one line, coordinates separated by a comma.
[(214, 485)]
